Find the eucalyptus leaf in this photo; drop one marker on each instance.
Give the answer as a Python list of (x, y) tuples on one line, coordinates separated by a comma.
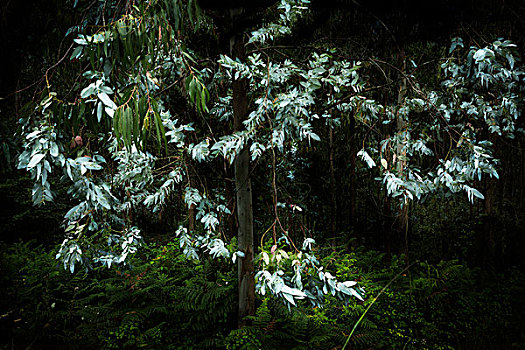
[(35, 160)]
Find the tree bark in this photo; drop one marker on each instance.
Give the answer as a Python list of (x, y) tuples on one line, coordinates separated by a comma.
[(401, 125), (353, 167), (490, 242), (245, 268), (192, 209), (333, 191), (489, 257)]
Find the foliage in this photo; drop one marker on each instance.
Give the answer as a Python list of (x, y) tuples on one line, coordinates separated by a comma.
[(442, 306), (164, 301), (113, 170), (144, 128)]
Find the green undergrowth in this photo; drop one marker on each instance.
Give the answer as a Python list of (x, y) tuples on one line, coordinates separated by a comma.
[(163, 301)]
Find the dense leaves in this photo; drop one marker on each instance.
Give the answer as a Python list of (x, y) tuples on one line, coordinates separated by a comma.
[(168, 302), (351, 129)]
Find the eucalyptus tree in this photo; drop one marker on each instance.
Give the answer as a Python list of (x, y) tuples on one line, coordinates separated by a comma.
[(112, 168), (119, 144)]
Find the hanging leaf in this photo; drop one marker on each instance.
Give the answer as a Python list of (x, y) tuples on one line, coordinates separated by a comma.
[(35, 160), (106, 100), (77, 52), (99, 111)]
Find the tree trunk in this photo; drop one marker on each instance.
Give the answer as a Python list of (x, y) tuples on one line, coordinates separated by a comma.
[(333, 192), (387, 226), (231, 200), (489, 222), (243, 190), (401, 125), (490, 242), (192, 209), (245, 236), (353, 165)]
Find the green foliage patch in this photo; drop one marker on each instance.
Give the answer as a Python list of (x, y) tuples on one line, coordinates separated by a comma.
[(164, 301)]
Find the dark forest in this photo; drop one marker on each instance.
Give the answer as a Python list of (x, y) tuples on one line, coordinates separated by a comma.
[(266, 174)]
